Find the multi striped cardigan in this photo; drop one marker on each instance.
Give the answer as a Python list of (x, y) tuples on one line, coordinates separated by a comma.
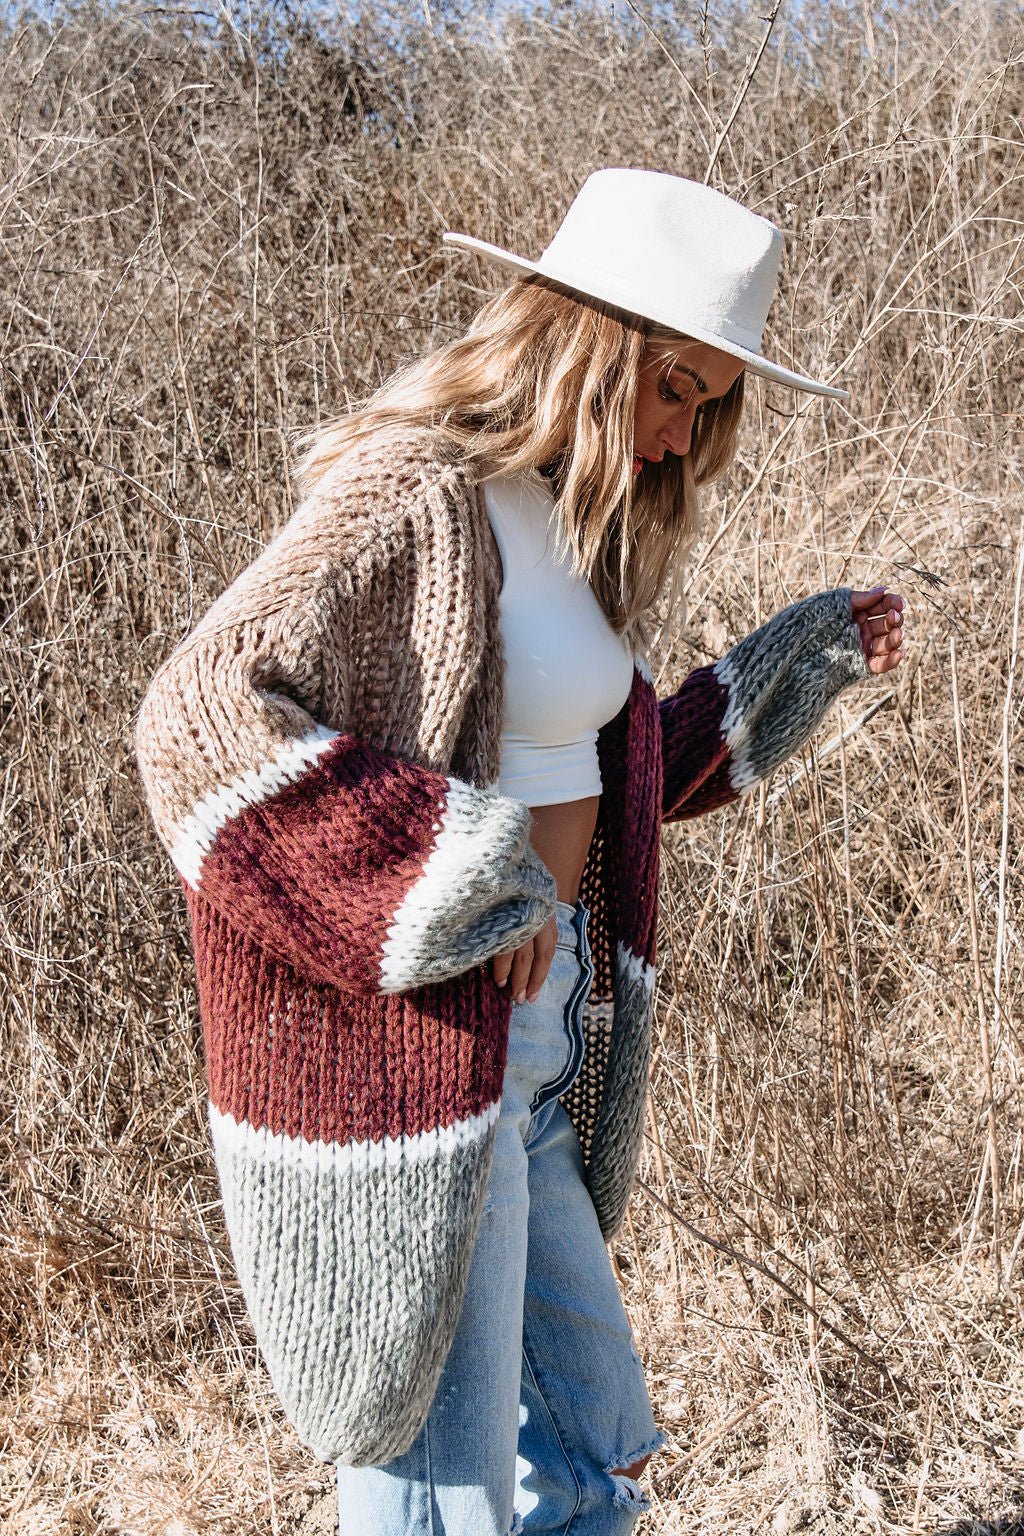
[(320, 758)]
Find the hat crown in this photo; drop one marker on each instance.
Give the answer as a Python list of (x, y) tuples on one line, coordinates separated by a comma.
[(712, 263), (672, 251)]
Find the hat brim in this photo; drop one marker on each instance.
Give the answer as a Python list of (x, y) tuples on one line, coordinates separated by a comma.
[(754, 362)]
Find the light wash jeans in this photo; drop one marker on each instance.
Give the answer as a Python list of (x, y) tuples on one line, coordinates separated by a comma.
[(542, 1395)]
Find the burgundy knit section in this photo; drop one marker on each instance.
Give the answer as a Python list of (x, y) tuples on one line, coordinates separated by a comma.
[(304, 1059), (350, 837), (694, 751), (641, 821), (601, 883), (620, 877)]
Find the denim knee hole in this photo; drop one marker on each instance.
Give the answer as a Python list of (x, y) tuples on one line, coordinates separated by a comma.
[(627, 1490), (628, 1494)]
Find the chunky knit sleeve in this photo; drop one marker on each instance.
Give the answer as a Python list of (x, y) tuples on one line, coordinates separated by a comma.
[(365, 868), (730, 724)]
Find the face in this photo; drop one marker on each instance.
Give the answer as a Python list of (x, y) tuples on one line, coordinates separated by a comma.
[(669, 395)]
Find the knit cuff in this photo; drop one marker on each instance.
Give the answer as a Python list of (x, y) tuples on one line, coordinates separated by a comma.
[(483, 889), (782, 678), (363, 869)]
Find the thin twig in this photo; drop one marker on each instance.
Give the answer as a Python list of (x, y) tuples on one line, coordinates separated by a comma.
[(660, 41), (989, 1171), (742, 92), (682, 1463), (776, 1279)]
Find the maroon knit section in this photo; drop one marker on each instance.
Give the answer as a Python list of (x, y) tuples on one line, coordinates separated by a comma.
[(620, 877), (601, 883), (640, 809), (318, 870), (694, 752), (304, 1059)]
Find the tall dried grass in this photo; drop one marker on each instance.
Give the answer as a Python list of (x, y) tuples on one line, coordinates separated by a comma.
[(215, 232)]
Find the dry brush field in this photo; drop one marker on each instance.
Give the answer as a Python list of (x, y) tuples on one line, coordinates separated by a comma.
[(215, 232)]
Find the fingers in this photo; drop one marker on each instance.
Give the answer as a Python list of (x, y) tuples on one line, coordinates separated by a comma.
[(875, 604), (502, 965), (876, 598), (881, 623), (881, 635), (879, 615), (524, 969), (879, 664), (883, 643), (885, 613)]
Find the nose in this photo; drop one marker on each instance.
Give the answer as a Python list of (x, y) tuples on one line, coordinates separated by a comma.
[(679, 431)]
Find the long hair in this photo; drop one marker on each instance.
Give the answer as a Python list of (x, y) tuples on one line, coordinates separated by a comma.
[(543, 379)]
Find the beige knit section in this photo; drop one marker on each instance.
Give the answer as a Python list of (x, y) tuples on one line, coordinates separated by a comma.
[(371, 612)]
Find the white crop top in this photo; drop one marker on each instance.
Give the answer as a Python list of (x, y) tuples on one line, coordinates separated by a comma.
[(566, 670)]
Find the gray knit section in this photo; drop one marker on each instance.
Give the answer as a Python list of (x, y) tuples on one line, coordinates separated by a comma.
[(483, 890), (619, 1130), (354, 1282), (782, 679)]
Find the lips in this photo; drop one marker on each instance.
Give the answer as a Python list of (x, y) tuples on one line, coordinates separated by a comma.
[(640, 459)]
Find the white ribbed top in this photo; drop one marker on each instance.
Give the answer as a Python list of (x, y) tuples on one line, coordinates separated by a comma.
[(566, 670)]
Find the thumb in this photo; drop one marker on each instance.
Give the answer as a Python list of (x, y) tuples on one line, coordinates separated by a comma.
[(867, 599)]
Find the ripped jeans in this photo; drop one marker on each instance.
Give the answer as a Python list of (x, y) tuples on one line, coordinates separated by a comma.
[(542, 1397)]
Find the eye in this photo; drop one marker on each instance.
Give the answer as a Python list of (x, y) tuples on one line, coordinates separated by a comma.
[(666, 391)]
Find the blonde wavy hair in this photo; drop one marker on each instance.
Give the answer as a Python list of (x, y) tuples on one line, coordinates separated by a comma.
[(542, 379)]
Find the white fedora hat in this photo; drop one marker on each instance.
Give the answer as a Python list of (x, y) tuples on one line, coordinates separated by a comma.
[(672, 251)]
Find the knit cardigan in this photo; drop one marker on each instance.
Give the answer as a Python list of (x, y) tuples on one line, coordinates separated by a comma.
[(320, 759)]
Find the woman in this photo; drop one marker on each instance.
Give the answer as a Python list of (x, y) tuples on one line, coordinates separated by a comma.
[(411, 769)]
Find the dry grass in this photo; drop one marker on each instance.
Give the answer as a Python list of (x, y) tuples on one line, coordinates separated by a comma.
[(210, 235)]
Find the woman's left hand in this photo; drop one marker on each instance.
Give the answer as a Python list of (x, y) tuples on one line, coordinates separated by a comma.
[(880, 616)]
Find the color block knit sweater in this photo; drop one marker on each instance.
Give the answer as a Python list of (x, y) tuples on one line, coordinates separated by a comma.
[(320, 757)]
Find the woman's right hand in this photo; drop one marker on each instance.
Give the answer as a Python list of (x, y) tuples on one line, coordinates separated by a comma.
[(525, 968)]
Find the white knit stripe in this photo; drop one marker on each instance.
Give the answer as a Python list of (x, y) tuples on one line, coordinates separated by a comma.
[(732, 719), (195, 835), (472, 838), (634, 967), (742, 774), (640, 662), (258, 1144)]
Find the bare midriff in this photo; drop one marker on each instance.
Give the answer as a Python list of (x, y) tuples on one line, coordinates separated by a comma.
[(561, 837)]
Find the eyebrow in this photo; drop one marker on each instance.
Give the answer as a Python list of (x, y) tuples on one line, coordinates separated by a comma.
[(682, 368)]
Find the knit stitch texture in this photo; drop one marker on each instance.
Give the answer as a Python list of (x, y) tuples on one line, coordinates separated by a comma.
[(320, 758)]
